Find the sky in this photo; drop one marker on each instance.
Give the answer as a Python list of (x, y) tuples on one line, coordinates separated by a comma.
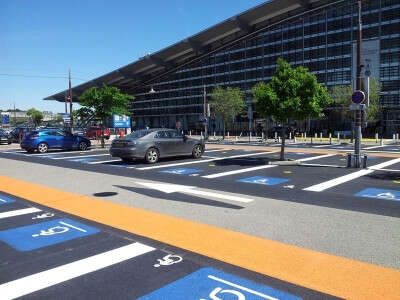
[(40, 40)]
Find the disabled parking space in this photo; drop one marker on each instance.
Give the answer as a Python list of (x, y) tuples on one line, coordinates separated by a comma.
[(47, 254)]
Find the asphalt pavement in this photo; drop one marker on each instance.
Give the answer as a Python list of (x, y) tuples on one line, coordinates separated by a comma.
[(319, 205)]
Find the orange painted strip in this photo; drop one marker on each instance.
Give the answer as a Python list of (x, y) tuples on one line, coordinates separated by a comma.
[(330, 274)]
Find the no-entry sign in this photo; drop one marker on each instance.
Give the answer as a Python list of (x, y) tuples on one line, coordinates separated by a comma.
[(357, 97)]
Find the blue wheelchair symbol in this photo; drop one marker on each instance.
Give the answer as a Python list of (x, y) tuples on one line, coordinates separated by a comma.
[(264, 180), (379, 194), (181, 171), (5, 199)]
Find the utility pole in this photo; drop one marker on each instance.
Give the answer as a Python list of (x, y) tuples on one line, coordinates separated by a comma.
[(358, 119), (65, 100), (70, 102), (205, 119)]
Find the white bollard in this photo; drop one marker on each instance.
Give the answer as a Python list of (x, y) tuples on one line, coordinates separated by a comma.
[(381, 141), (330, 138), (290, 136), (294, 139), (338, 137), (394, 137), (312, 140), (262, 136), (376, 138), (397, 137), (201, 133), (228, 134), (305, 136), (276, 136), (279, 139), (320, 137), (214, 134), (190, 133)]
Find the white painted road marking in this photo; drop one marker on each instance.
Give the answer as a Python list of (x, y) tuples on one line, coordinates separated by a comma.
[(52, 153), (19, 212), (373, 147), (336, 181), (80, 156), (32, 283), (204, 160), (175, 188), (260, 167), (103, 161), (241, 288), (321, 146)]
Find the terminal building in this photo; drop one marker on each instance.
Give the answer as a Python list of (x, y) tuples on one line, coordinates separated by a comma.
[(241, 51)]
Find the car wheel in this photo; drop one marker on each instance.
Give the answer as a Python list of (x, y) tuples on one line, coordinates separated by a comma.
[(83, 146), (151, 156), (42, 148), (127, 160), (197, 151)]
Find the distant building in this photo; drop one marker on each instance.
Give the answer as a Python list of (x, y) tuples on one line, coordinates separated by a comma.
[(242, 50)]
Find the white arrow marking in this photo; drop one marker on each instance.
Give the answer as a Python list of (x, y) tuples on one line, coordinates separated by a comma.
[(175, 188)]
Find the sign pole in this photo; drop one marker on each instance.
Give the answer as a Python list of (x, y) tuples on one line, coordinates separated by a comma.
[(357, 142)]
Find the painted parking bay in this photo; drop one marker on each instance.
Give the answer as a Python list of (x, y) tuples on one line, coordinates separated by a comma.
[(108, 265), (377, 193), (264, 180)]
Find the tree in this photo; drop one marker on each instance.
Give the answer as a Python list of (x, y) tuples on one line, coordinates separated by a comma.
[(292, 93), (35, 115), (374, 109), (103, 103), (226, 103)]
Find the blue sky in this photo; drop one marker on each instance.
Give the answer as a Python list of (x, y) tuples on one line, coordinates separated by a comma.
[(41, 39)]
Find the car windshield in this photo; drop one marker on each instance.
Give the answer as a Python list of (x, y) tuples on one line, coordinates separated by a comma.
[(138, 134)]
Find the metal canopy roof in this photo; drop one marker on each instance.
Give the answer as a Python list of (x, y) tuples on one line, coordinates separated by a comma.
[(150, 67)]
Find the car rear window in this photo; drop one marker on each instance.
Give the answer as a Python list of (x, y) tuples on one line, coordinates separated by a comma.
[(139, 134)]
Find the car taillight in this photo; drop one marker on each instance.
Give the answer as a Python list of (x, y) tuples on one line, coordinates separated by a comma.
[(33, 137)]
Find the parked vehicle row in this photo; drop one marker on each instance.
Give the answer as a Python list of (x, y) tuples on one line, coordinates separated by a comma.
[(5, 137)]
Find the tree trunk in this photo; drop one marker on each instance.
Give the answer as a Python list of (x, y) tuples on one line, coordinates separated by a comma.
[(223, 130), (283, 146)]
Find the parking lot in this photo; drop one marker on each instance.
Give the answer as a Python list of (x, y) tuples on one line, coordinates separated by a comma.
[(247, 171), (232, 187), (49, 254)]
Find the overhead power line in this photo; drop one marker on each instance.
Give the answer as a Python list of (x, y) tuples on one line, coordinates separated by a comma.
[(39, 76)]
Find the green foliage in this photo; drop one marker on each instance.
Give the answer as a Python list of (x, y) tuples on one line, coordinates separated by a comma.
[(226, 103), (374, 109), (35, 115), (103, 103), (291, 94)]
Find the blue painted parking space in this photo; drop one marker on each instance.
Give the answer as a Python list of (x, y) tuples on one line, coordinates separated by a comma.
[(383, 194), (209, 283), (181, 171), (83, 159), (5, 199), (44, 234), (264, 180)]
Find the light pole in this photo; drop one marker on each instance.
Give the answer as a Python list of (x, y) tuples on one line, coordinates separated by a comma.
[(357, 142)]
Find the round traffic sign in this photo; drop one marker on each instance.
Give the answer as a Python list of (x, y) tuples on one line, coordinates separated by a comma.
[(358, 97)]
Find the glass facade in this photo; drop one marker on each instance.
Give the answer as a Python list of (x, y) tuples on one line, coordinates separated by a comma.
[(322, 41)]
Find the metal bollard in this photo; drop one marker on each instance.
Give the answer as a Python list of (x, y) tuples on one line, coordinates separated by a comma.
[(397, 137), (338, 137), (365, 161), (279, 139), (330, 138), (305, 136), (290, 136), (381, 141), (312, 140), (276, 136), (376, 137), (349, 155), (228, 134), (295, 139), (320, 137)]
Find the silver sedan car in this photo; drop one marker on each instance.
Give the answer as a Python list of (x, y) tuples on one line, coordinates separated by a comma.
[(151, 144)]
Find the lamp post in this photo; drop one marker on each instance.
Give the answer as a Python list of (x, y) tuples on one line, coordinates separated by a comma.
[(357, 142)]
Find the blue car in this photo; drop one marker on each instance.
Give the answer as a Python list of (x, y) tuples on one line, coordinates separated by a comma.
[(45, 139)]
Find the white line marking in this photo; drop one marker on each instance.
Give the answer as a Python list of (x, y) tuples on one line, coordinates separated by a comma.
[(51, 153), (80, 156), (69, 225), (18, 212), (373, 147), (321, 146), (336, 181), (217, 150), (220, 196), (103, 161), (32, 283), (260, 167), (204, 160), (241, 288)]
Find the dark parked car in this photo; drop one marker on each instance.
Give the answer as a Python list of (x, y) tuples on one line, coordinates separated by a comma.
[(45, 139), (18, 133), (5, 137), (151, 144), (279, 131)]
